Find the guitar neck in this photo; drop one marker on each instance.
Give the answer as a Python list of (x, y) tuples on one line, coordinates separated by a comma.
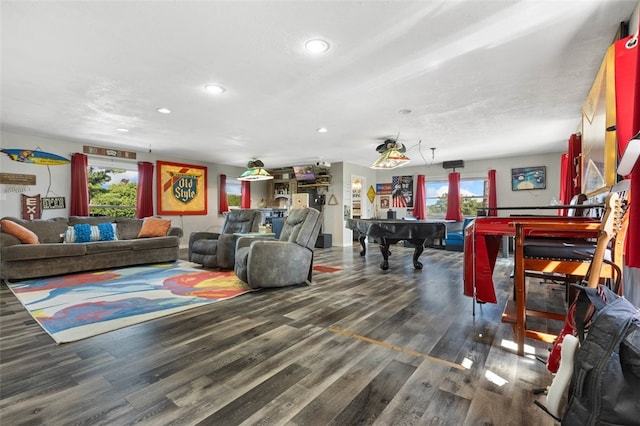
[(598, 259), (608, 229)]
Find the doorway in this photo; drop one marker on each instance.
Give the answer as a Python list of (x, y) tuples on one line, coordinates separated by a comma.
[(358, 184)]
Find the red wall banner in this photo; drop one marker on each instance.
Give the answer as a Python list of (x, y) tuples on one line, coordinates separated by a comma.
[(627, 70)]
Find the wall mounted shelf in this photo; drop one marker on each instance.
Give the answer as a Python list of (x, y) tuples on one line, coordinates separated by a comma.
[(313, 185)]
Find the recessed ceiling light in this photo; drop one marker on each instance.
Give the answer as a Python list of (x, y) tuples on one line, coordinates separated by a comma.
[(317, 46), (322, 130), (123, 130), (215, 89), (164, 110)]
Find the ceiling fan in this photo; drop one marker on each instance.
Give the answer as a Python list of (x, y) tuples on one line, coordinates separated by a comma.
[(390, 143), (392, 155)]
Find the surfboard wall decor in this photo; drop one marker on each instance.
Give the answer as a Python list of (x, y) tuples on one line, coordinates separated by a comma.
[(35, 157)]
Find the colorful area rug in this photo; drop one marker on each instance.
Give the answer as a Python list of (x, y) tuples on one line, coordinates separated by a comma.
[(77, 306), (322, 268)]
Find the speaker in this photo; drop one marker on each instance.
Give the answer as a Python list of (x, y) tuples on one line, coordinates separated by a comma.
[(323, 241), (456, 164)]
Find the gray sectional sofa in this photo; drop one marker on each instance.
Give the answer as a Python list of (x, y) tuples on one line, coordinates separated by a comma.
[(53, 256)]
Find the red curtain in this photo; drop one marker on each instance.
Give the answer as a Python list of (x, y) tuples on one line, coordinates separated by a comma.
[(493, 195), (245, 201), (565, 183), (79, 186), (223, 206), (627, 76), (419, 209), (144, 204), (574, 151), (453, 200), (570, 172)]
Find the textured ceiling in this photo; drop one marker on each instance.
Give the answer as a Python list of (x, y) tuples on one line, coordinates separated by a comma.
[(482, 79)]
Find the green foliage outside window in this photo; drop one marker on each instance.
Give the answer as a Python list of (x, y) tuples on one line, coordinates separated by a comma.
[(439, 208), (118, 199), (468, 205), (233, 200), (234, 193)]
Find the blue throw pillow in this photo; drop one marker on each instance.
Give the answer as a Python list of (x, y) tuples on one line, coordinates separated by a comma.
[(83, 232), (106, 232)]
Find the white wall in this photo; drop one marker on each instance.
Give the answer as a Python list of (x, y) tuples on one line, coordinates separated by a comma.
[(333, 222), (59, 185)]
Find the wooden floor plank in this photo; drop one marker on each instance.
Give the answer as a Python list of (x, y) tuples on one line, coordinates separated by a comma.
[(257, 397), (324, 408), (367, 405), (413, 398), (445, 408)]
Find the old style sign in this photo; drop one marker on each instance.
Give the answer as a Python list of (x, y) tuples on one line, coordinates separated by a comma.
[(185, 186), (182, 189)]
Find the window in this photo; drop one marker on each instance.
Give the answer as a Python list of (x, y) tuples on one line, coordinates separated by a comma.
[(113, 189), (473, 196), (234, 193)]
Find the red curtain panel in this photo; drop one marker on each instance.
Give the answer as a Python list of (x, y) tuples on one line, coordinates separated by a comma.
[(453, 200), (627, 77), (223, 206), (565, 183), (570, 172), (144, 204), (245, 200), (493, 195), (574, 149), (79, 205), (419, 209)]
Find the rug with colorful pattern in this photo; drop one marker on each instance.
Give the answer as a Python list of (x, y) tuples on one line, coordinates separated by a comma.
[(77, 306), (323, 268)]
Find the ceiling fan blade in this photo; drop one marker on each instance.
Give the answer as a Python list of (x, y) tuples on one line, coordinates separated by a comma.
[(389, 143)]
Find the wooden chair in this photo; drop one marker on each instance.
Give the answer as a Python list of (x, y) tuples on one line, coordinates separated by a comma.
[(545, 244), (569, 250)]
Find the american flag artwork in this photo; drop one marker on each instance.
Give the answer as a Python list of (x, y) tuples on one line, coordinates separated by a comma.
[(402, 191)]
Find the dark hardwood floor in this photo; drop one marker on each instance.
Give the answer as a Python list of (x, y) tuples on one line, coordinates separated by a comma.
[(358, 346)]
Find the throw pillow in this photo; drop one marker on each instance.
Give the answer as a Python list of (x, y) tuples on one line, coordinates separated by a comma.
[(84, 233), (154, 227), (25, 235), (107, 231)]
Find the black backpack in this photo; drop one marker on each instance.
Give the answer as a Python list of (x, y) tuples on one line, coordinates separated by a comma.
[(605, 386)]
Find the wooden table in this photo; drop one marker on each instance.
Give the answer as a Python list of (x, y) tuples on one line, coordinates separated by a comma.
[(482, 239)]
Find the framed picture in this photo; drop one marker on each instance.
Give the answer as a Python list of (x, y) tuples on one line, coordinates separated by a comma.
[(384, 202), (402, 191), (181, 189), (383, 189), (528, 178), (599, 145)]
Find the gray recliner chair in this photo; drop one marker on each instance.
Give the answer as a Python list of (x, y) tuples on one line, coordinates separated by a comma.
[(217, 250), (279, 263)]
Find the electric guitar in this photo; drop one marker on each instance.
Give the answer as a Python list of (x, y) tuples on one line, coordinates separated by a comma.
[(561, 358)]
